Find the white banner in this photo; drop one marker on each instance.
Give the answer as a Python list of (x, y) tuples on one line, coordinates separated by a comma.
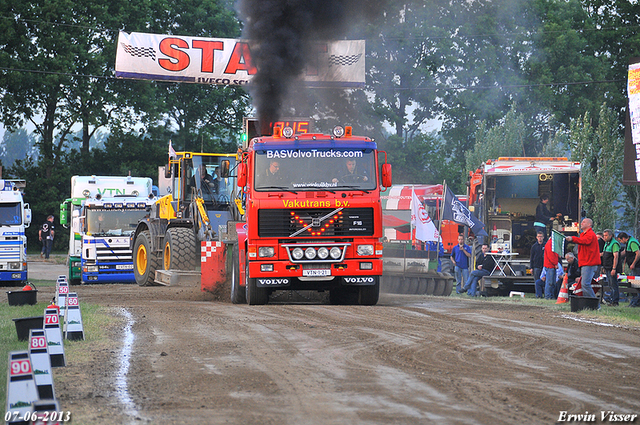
[(227, 61), (425, 229), (633, 89)]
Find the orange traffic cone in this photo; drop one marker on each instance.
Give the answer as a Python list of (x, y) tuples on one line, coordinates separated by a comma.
[(563, 296)]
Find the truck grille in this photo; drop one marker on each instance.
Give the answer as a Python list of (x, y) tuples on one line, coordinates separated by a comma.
[(106, 254), (348, 222)]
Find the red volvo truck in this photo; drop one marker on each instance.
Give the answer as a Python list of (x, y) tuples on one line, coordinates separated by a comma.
[(312, 216)]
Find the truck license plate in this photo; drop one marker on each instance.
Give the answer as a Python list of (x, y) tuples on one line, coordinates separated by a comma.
[(124, 266), (315, 273)]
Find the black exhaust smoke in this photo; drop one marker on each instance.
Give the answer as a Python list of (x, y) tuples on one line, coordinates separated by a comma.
[(281, 35)]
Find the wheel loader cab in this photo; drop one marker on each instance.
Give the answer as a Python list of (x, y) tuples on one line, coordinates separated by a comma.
[(209, 179)]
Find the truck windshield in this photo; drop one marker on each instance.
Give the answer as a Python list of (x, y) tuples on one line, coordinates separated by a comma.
[(10, 214), (315, 169), (113, 222)]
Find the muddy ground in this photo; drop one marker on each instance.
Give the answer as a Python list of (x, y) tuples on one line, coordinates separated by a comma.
[(179, 356)]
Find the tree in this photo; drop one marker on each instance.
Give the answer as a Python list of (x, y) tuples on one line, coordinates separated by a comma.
[(200, 115), (599, 148), (16, 145), (503, 139), (419, 160), (407, 46), (60, 57)]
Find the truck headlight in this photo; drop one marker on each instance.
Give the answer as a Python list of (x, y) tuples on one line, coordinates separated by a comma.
[(266, 251), (310, 253), (297, 253), (323, 253), (335, 253), (365, 250), (92, 269), (14, 266)]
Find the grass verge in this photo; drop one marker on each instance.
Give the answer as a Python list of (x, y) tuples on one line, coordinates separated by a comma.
[(623, 315), (95, 319)]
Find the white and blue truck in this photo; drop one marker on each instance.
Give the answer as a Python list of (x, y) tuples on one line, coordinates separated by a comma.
[(15, 217), (102, 213)]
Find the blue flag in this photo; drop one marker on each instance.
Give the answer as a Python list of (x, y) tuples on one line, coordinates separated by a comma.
[(454, 210)]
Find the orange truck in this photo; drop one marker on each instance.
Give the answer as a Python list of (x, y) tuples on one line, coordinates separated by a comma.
[(504, 194), (312, 216)]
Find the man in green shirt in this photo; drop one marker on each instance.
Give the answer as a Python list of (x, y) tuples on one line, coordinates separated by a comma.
[(612, 264), (631, 255)]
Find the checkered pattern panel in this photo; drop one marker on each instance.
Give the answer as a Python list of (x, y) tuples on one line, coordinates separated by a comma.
[(141, 52), (341, 60), (207, 249)]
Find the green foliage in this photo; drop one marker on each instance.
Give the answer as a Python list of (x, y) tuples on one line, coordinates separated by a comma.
[(16, 145), (599, 148), (503, 139), (631, 215), (421, 160)]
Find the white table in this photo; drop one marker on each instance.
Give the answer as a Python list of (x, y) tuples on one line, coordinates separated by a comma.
[(503, 266)]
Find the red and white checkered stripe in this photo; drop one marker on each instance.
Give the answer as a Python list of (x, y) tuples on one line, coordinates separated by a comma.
[(207, 249)]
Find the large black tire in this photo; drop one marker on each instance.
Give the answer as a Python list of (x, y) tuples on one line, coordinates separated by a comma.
[(255, 295), (368, 295), (238, 294), (431, 285), (445, 265), (145, 261), (441, 284), (412, 285), (448, 288), (179, 249), (422, 286), (397, 284)]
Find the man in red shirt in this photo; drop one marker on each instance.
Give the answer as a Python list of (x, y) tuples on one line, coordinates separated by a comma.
[(550, 264), (588, 255)]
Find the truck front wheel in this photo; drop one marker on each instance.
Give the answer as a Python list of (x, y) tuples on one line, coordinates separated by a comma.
[(145, 262), (368, 295), (237, 292), (255, 295)]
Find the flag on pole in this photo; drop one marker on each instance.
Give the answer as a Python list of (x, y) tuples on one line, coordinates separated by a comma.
[(172, 152), (421, 222), (453, 210), (557, 242)]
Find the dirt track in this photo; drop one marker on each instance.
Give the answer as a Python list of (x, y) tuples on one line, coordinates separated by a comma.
[(410, 359)]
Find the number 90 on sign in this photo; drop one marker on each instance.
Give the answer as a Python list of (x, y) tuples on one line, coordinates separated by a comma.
[(20, 367)]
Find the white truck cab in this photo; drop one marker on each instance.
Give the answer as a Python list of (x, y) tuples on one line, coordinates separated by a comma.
[(15, 217)]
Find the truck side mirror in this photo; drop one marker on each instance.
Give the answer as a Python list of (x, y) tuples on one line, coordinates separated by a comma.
[(242, 175), (224, 169), (63, 214), (27, 215), (167, 171), (386, 175)]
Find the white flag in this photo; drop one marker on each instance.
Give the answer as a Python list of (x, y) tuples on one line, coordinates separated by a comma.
[(172, 152), (425, 229)]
